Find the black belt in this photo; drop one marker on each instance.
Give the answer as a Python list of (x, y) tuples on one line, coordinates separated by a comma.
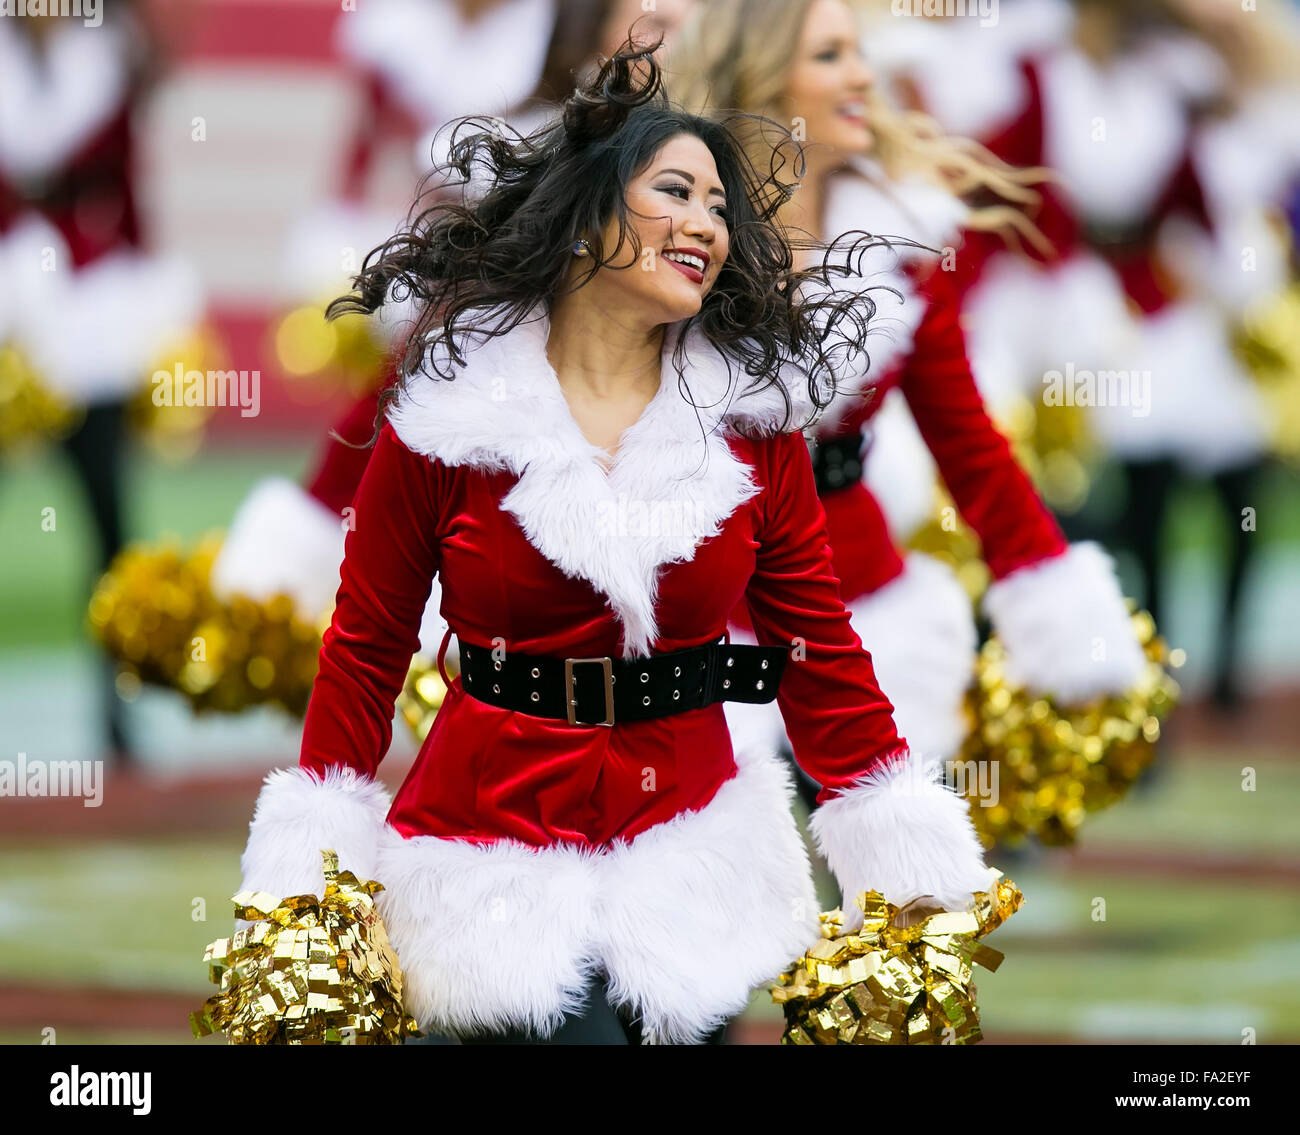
[(602, 691), (837, 463)]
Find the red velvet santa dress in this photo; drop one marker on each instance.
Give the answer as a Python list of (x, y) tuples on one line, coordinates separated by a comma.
[(522, 854), (1057, 608)]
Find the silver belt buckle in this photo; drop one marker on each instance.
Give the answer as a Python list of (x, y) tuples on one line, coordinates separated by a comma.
[(571, 703)]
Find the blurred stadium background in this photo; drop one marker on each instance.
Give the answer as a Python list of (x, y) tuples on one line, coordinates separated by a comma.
[(100, 936)]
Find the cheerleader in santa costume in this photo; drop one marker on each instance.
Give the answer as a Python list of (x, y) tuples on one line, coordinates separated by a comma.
[(599, 461), (1058, 608), (86, 303), (416, 64)]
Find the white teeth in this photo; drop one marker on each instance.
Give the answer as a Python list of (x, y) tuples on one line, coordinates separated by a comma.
[(686, 258)]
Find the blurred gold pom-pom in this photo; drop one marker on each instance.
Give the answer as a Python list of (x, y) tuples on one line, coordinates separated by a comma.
[(904, 978), (422, 695), (308, 971), (946, 537), (339, 354), (29, 410), (155, 613), (167, 424), (1055, 447), (1055, 764), (1268, 342)]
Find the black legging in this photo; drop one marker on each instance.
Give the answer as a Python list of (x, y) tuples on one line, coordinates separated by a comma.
[(595, 1022), (1151, 485), (96, 449)]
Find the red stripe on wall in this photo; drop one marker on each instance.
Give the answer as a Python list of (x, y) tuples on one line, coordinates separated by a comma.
[(232, 31)]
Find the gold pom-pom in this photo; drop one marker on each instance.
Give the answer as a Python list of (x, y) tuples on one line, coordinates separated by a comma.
[(904, 978), (946, 538), (1054, 764), (29, 409), (1268, 342), (340, 354), (308, 971), (169, 425), (155, 613), (422, 695)]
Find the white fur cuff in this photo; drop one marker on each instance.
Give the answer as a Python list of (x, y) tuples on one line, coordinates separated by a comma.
[(298, 815), (282, 540), (902, 832), (1066, 627)]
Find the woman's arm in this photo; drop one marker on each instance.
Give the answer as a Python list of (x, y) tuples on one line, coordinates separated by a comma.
[(1057, 607), (886, 823), (332, 799)]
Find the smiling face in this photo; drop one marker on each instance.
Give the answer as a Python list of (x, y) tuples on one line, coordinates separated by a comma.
[(678, 212), (829, 81)]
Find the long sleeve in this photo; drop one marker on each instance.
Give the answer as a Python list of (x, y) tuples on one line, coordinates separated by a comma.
[(839, 722), (886, 822), (332, 799), (991, 490), (1057, 607), (390, 559)]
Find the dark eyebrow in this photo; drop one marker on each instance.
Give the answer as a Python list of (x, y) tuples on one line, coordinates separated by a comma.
[(714, 192)]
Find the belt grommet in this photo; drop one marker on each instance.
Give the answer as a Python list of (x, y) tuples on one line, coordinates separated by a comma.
[(677, 671), (676, 694), (495, 688), (535, 695), (763, 664), (730, 660), (644, 676), (496, 665), (645, 700), (726, 685), (759, 683), (537, 673)]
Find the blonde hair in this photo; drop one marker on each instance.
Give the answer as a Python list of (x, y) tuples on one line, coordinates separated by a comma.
[(736, 55)]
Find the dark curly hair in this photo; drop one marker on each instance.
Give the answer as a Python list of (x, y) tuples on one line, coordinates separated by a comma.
[(507, 209)]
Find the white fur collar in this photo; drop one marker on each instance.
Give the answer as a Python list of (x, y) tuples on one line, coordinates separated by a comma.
[(668, 490), (862, 197)]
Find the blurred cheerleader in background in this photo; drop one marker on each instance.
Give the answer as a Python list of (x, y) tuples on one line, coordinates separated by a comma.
[(88, 313), (1057, 607)]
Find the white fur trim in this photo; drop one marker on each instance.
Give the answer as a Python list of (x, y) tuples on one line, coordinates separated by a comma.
[(95, 333), (1189, 397), (282, 540), (439, 65), (1065, 626), (298, 815), (670, 488), (862, 198), (686, 919), (55, 101), (969, 75), (1081, 320), (902, 832), (1115, 133), (920, 631)]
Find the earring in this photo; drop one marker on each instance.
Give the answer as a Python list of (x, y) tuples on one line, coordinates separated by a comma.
[(581, 248)]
